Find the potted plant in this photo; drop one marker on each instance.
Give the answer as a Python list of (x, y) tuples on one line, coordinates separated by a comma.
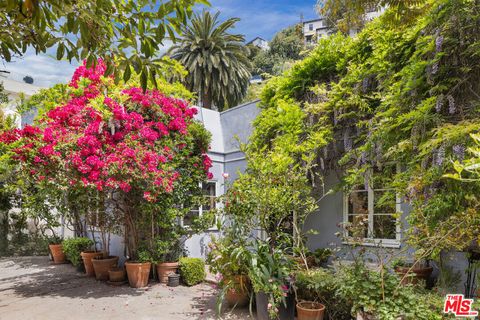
[(168, 252), (56, 249), (87, 257), (309, 285), (73, 247), (102, 264), (270, 272), (412, 272), (318, 257), (138, 271), (116, 276), (229, 259)]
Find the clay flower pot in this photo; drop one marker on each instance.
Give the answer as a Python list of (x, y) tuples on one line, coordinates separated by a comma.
[(307, 310), (102, 265), (138, 273), (237, 294), (164, 269), (57, 253), (87, 257), (116, 275), (415, 274)]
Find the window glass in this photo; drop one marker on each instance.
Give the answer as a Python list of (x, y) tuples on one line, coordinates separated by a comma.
[(371, 210), (209, 203)]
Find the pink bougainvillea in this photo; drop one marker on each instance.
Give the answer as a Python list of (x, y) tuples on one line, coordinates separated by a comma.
[(108, 136)]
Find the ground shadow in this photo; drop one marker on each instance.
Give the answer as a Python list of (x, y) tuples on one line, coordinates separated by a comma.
[(206, 308), (37, 276)]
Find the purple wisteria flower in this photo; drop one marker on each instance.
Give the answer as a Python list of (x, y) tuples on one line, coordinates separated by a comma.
[(435, 67), (451, 104), (440, 156), (459, 151), (439, 103), (438, 43), (347, 140), (363, 157)]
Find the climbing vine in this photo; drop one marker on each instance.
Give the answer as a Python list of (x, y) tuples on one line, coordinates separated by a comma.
[(405, 94)]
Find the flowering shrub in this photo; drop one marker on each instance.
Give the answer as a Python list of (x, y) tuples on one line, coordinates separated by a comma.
[(116, 140), (109, 137)]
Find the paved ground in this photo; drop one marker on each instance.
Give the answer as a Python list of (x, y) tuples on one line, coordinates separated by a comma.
[(32, 288)]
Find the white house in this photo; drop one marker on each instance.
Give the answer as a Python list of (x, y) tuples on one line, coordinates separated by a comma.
[(259, 42), (15, 89), (314, 30)]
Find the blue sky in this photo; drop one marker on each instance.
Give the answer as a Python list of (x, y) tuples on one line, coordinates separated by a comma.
[(258, 18)]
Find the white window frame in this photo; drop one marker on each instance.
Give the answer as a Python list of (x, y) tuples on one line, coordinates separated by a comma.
[(370, 241), (200, 209)]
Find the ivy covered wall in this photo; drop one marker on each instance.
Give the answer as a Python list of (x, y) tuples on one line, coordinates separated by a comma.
[(401, 92)]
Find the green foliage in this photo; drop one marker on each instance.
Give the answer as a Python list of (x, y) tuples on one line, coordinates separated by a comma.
[(129, 32), (216, 60), (270, 272), (228, 258), (380, 294), (72, 247), (253, 92), (344, 15), (192, 270), (285, 48), (321, 285), (402, 93)]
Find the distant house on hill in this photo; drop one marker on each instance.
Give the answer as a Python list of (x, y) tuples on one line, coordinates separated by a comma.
[(315, 29), (259, 42)]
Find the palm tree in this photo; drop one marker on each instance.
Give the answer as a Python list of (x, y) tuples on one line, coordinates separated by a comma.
[(216, 61)]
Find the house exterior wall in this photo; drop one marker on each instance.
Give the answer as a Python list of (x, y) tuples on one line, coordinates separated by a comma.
[(229, 130), (326, 221)]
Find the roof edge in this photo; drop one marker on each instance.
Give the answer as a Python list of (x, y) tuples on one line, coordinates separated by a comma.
[(240, 106)]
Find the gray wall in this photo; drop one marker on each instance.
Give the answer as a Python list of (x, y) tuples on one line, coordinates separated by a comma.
[(237, 123), (325, 221)]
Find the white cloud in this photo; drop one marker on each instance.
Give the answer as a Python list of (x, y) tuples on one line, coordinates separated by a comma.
[(44, 69)]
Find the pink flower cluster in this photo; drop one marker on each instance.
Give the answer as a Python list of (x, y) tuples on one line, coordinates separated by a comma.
[(141, 142)]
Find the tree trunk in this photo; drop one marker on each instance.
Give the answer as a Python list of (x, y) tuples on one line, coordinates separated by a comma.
[(207, 100)]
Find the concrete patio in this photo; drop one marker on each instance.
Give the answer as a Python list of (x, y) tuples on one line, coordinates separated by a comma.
[(33, 288)]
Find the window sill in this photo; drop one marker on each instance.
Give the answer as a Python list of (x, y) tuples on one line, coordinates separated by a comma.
[(376, 243)]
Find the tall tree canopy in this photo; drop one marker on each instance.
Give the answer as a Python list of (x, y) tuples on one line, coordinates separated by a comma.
[(216, 60), (129, 31), (345, 15), (285, 48)]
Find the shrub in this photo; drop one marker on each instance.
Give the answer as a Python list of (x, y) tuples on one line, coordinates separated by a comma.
[(72, 248), (192, 270), (321, 285), (380, 294)]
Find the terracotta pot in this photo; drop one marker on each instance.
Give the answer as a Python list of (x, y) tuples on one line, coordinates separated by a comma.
[(138, 273), (87, 257), (116, 274), (238, 294), (57, 253), (101, 266), (164, 269), (307, 310), (416, 274)]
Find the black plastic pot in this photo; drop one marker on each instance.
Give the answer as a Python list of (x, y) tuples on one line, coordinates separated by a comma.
[(81, 267), (284, 313), (173, 280)]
